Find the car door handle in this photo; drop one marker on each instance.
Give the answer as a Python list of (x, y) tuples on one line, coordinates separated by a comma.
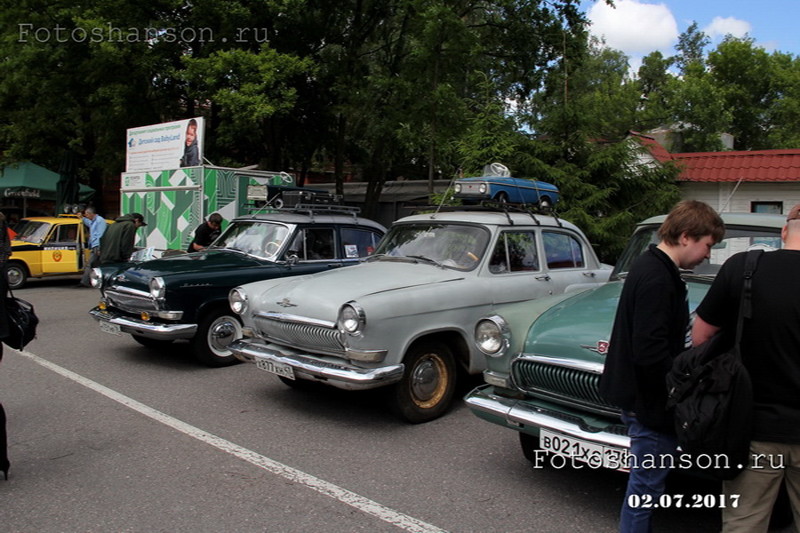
[(546, 277), (589, 274)]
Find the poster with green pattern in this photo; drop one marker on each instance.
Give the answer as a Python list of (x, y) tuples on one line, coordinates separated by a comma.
[(174, 202)]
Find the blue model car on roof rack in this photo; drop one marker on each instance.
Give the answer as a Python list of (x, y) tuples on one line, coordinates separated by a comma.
[(497, 184)]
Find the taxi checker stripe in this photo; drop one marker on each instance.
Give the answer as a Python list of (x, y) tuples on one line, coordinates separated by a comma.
[(352, 499)]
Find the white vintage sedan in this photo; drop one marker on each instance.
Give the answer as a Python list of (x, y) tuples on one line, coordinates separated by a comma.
[(403, 318)]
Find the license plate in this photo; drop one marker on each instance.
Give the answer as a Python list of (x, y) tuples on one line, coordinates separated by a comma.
[(592, 453), (108, 327), (281, 369)]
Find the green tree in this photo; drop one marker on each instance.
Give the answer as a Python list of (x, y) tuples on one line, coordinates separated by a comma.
[(700, 111), (691, 48), (607, 182), (785, 112), (745, 76)]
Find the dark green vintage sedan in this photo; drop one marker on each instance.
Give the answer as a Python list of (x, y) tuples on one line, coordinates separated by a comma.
[(544, 357), (186, 296)]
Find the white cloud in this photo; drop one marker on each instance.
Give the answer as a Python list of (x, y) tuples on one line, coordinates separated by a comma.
[(722, 26), (634, 27)]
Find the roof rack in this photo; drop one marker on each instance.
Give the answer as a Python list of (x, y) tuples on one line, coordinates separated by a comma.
[(328, 209), (497, 207)]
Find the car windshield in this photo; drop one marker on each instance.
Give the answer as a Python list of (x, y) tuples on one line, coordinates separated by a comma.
[(737, 239), (33, 231), (457, 246), (261, 239)]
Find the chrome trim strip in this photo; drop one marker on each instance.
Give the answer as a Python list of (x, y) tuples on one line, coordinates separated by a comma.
[(128, 290), (594, 368), (335, 373), (150, 330), (286, 317), (516, 414)]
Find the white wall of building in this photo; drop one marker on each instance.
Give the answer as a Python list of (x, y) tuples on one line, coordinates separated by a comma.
[(729, 197)]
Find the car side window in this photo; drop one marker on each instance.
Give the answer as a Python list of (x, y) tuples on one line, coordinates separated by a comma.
[(562, 251), (313, 244), (515, 251), (359, 242), (66, 233)]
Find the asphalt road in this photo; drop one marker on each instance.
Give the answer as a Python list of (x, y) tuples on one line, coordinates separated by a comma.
[(106, 435)]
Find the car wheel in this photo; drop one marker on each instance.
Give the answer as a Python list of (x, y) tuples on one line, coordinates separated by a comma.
[(215, 332), (151, 343), (16, 274), (428, 383), (501, 197), (529, 445)]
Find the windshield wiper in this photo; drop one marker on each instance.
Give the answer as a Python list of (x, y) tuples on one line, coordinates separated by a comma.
[(426, 260)]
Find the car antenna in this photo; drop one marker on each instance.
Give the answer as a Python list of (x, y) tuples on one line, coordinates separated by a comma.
[(444, 195)]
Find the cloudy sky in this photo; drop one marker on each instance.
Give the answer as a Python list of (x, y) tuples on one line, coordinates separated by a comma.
[(638, 27)]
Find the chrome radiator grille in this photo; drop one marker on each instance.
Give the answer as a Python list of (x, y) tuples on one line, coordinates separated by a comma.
[(132, 303), (570, 386), (311, 337)]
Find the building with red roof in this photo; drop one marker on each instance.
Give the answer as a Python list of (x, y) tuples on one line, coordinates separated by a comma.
[(763, 181)]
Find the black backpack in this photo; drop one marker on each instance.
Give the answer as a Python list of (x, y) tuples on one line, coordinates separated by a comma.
[(710, 391)]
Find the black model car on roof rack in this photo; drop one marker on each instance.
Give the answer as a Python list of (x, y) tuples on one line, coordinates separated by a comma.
[(185, 296)]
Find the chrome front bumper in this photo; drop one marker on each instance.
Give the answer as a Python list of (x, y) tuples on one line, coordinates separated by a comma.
[(334, 372), (517, 415), (151, 330)]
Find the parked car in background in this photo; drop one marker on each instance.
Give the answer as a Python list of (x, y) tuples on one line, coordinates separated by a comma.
[(544, 357), (185, 296), (497, 185), (47, 246), (403, 318)]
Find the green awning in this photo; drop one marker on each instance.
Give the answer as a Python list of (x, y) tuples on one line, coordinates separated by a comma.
[(29, 180)]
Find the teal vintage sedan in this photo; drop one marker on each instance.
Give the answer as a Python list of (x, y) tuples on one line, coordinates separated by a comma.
[(544, 357), (185, 297)]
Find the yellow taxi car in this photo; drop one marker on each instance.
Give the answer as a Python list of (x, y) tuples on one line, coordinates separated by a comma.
[(47, 246)]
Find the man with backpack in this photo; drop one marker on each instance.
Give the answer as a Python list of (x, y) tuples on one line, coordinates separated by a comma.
[(650, 329), (770, 349)]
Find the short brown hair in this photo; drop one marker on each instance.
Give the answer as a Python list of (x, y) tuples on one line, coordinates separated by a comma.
[(696, 219), (215, 218)]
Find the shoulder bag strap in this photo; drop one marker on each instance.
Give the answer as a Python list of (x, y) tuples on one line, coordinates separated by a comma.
[(746, 304)]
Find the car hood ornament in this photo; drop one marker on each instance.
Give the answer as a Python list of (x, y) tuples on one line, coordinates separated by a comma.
[(601, 347), (286, 303)]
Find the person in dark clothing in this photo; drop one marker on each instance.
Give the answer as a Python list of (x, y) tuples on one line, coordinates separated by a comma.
[(206, 233), (5, 253), (118, 241), (650, 329), (770, 349)]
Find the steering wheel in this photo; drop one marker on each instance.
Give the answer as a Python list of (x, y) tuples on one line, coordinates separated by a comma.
[(271, 247), (498, 169)]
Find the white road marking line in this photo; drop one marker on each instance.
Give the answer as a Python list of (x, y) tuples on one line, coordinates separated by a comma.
[(352, 499)]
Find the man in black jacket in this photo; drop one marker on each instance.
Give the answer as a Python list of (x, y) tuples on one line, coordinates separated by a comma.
[(650, 329)]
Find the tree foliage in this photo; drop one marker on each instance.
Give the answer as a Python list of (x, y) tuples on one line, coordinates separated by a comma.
[(383, 89)]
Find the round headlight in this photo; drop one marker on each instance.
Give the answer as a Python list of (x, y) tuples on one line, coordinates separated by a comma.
[(483, 188), (157, 287), (491, 336), (96, 278), (352, 319), (457, 188), (237, 299)]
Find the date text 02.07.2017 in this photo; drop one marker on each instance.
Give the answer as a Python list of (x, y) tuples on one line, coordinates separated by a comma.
[(689, 501)]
